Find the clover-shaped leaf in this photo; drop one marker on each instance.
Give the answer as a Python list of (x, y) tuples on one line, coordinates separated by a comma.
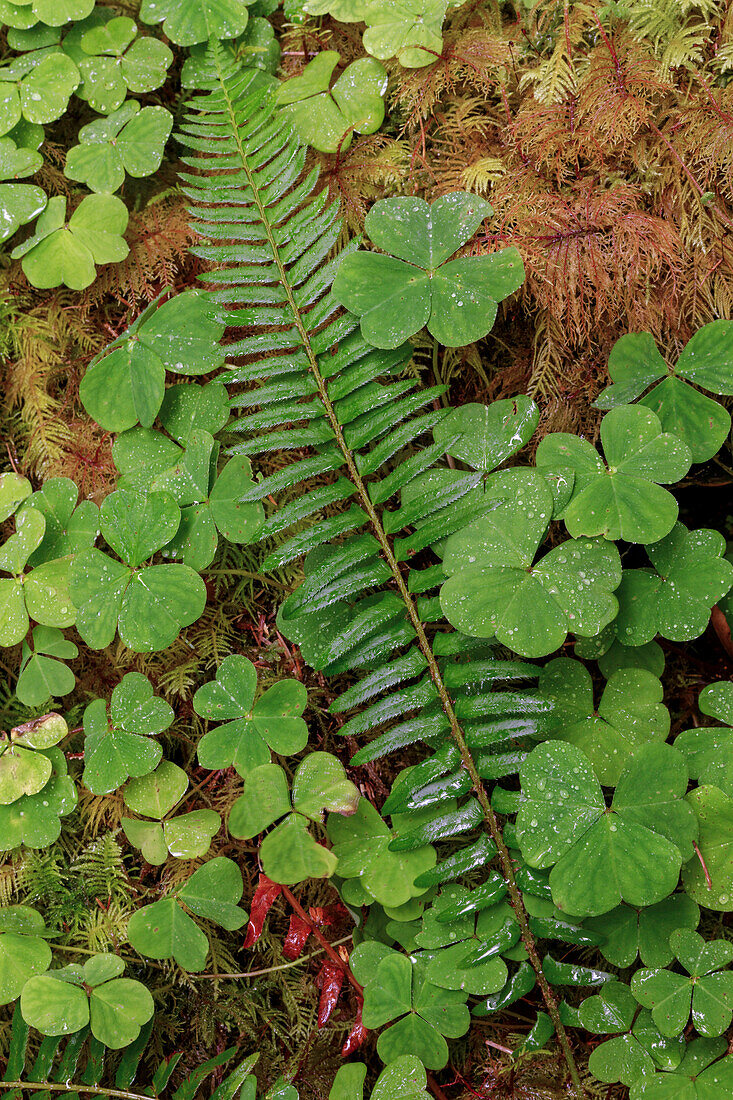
[(413, 285), (24, 767), (450, 945), (708, 991), (210, 503), (708, 878), (54, 13), (632, 1055), (635, 364), (253, 729), (702, 1074), (630, 714), (14, 489), (345, 11), (320, 785), (118, 745), (65, 253), (17, 13), (289, 853), (23, 950), (141, 454), (611, 1010), (129, 140), (361, 845), (126, 383), (156, 795), (36, 89), (42, 675), (63, 1001), (495, 589), (628, 932), (410, 30), (149, 606), (34, 819), (70, 527), (198, 21), (403, 1079), (326, 118), (43, 593), (488, 434), (612, 655), (396, 988), (709, 749), (622, 498), (117, 62), (19, 202), (164, 929), (631, 851), (690, 575)]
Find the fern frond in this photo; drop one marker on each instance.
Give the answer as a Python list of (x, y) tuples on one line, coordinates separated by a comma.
[(83, 1065), (306, 379)]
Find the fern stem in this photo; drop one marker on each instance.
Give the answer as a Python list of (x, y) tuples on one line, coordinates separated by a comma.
[(50, 1086), (490, 818)]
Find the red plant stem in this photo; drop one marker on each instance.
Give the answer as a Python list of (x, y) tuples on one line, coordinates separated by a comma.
[(721, 628), (293, 901), (705, 870)]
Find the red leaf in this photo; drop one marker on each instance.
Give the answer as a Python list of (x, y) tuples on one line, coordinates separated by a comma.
[(297, 936), (329, 980), (355, 1038), (264, 896)]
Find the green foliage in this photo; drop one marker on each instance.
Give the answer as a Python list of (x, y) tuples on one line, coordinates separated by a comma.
[(24, 768), (24, 952), (290, 853), (148, 605), (34, 820), (407, 29), (564, 823), (126, 383), (413, 285), (420, 557), (690, 575), (628, 932), (403, 1079), (118, 745), (708, 989), (129, 140), (396, 988), (327, 118), (200, 21), (19, 202), (65, 1000), (635, 364), (99, 60), (65, 253), (272, 723), (630, 714), (118, 62), (621, 498), (164, 929), (42, 674), (81, 1060), (494, 580), (361, 844)]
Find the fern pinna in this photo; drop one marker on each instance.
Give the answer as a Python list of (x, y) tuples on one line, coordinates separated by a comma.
[(305, 379)]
